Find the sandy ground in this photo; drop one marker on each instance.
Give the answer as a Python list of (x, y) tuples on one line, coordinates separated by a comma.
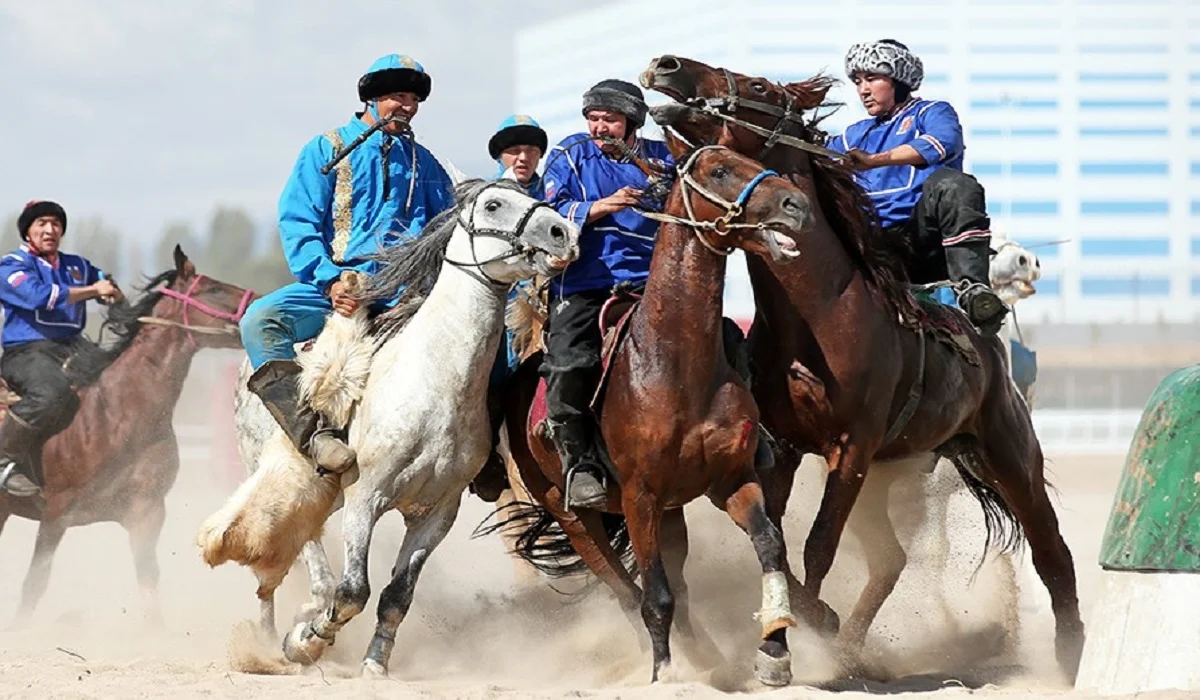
[(477, 629)]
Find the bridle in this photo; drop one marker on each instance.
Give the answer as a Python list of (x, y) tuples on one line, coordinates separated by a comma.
[(723, 225), (513, 238), (726, 108), (189, 301)]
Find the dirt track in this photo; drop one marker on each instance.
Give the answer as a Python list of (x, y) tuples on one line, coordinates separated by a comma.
[(476, 632)]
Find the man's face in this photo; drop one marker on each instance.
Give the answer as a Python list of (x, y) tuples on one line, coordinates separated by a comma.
[(877, 92), (523, 160), (602, 122), (45, 234), (402, 104)]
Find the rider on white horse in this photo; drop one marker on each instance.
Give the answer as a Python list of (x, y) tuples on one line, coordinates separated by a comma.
[(382, 192), (909, 155)]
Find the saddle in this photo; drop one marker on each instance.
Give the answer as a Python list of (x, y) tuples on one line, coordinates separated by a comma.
[(948, 325)]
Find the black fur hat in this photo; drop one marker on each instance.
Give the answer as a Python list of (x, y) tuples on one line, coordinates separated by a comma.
[(35, 210), (617, 96)]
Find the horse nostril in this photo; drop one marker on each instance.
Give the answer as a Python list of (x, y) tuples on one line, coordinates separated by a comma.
[(666, 65), (558, 232), (791, 206)]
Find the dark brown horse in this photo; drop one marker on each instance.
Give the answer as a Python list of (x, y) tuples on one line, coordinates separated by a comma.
[(845, 365), (119, 457), (677, 421)]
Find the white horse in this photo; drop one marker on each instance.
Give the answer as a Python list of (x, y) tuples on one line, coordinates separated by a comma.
[(420, 429)]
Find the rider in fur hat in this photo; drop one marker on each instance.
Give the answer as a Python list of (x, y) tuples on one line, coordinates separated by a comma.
[(909, 157)]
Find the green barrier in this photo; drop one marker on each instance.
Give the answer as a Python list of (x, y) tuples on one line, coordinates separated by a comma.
[(1154, 524)]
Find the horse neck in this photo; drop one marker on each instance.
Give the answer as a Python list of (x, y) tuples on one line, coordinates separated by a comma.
[(683, 295), (148, 375), (814, 284)]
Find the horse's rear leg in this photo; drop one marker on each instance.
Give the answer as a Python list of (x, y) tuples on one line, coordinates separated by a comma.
[(745, 506), (308, 640), (1013, 463), (421, 536), (49, 536), (701, 648), (870, 524)]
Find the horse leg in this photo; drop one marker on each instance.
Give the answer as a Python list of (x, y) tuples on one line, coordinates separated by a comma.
[(321, 581), (746, 507), (870, 524), (144, 531), (49, 536), (422, 535), (701, 648), (777, 484), (1013, 463), (308, 640), (644, 517), (847, 470)]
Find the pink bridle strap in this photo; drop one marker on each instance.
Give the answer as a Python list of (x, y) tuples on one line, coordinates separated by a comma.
[(188, 301)]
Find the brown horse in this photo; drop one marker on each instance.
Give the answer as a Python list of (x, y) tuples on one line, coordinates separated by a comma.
[(842, 366), (119, 457), (676, 420)]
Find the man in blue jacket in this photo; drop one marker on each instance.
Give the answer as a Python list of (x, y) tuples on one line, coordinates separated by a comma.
[(43, 292), (386, 190), (909, 157), (594, 185)]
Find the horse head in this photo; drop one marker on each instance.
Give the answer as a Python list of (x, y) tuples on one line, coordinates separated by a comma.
[(731, 201), (509, 236), (718, 106), (1013, 269), (207, 308)]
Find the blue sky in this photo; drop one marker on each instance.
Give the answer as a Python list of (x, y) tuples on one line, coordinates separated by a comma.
[(151, 111)]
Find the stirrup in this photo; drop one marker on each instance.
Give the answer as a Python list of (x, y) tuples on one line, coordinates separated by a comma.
[(569, 480)]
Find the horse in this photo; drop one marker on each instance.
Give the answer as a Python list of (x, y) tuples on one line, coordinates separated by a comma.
[(118, 465), (676, 420), (843, 366), (420, 428)]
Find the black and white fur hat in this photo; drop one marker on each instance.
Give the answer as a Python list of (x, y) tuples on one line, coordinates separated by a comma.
[(618, 96), (886, 57)]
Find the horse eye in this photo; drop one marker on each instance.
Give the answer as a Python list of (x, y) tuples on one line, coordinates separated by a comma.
[(493, 205), (1022, 261), (719, 172)]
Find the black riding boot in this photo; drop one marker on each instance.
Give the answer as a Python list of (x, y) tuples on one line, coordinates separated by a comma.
[(275, 384), (582, 469), (491, 481), (967, 265), (20, 458)]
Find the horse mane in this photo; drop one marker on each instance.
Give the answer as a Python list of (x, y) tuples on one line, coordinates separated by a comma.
[(879, 258), (122, 324), (409, 269)]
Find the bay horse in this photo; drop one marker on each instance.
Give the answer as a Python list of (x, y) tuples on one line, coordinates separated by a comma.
[(676, 420), (419, 425), (118, 459), (842, 364)]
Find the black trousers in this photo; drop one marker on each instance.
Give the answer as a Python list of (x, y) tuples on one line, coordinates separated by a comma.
[(35, 371), (952, 203), (571, 360)]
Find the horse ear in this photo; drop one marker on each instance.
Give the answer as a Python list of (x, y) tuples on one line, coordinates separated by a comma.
[(183, 266)]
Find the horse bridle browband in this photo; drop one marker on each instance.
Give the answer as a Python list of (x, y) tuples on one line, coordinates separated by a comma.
[(721, 225), (513, 238), (725, 108)]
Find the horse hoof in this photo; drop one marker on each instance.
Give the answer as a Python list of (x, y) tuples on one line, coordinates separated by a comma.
[(373, 669), (773, 670), (303, 646)]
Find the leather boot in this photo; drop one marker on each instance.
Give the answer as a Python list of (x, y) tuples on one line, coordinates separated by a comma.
[(491, 481), (582, 469), (275, 383), (20, 458), (967, 265)]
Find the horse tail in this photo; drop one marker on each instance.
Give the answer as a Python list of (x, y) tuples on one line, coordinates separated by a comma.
[(1003, 530), (542, 543), (334, 373)]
